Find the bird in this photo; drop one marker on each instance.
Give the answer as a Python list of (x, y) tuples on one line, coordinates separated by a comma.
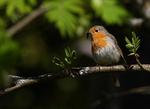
[(104, 47)]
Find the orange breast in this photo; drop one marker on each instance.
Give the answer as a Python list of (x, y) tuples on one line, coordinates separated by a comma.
[(99, 40)]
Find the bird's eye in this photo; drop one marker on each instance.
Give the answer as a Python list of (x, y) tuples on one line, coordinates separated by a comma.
[(96, 30)]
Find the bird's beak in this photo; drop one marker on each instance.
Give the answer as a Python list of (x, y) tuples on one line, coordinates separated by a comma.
[(88, 35)]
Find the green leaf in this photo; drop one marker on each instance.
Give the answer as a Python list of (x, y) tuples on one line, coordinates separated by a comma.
[(67, 52), (110, 11), (133, 34), (68, 61), (64, 15), (2, 2), (16, 9), (74, 6), (138, 41), (134, 44), (129, 46), (127, 40), (74, 54), (70, 56), (58, 62), (137, 48)]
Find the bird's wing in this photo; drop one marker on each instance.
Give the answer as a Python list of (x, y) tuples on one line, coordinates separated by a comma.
[(114, 39)]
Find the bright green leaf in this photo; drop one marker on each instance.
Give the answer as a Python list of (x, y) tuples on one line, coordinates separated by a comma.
[(127, 40), (15, 9), (133, 34), (67, 52), (129, 46), (110, 11), (2, 2), (68, 61), (64, 14), (134, 44)]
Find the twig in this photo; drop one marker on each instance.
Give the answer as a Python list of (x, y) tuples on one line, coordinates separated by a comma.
[(138, 90), (74, 72), (24, 81), (25, 21), (21, 83), (112, 69), (138, 61)]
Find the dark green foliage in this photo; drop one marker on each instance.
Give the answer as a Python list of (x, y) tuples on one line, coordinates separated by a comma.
[(16, 8), (133, 45), (70, 17), (58, 62), (9, 52), (70, 56), (9, 56)]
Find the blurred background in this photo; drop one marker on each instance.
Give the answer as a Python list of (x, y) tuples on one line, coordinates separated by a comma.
[(32, 32)]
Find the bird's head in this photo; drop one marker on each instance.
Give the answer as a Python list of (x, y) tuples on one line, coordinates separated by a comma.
[(96, 32)]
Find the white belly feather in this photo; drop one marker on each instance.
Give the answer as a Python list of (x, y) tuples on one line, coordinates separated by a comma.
[(107, 56)]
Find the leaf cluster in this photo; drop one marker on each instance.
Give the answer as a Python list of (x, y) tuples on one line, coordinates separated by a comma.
[(65, 14), (110, 11), (70, 17), (70, 56), (16, 8), (133, 45)]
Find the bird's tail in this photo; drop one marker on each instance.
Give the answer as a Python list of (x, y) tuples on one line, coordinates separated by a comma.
[(116, 80)]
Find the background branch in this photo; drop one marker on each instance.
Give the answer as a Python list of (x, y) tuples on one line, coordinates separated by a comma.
[(140, 90), (25, 21), (74, 72)]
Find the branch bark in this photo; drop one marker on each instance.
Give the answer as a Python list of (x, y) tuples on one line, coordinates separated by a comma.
[(74, 72), (25, 21)]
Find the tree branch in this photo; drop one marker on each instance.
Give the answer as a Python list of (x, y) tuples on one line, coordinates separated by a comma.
[(25, 21), (74, 72), (140, 90), (18, 85)]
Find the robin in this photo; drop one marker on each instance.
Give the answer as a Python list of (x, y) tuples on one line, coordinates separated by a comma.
[(105, 48)]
